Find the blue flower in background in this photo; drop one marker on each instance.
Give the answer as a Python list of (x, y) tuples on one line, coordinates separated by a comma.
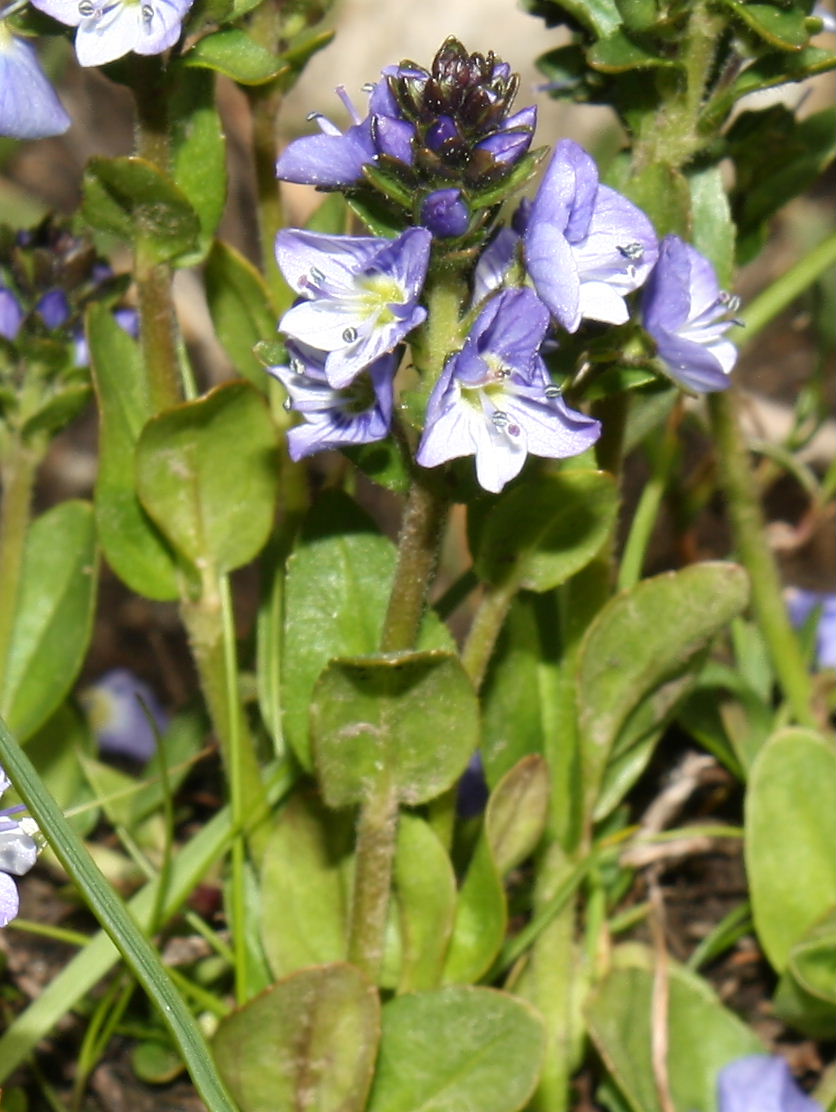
[(360, 294), (801, 604), (11, 314), (118, 707), (360, 413), (29, 106), (586, 246), (688, 316), (18, 853), (335, 158), (495, 399), (761, 1083), (109, 29)]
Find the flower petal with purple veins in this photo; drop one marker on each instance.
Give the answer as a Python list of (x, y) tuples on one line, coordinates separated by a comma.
[(586, 246), (688, 315), (494, 263), (109, 29), (360, 294), (761, 1083), (360, 413), (495, 400), (29, 106)]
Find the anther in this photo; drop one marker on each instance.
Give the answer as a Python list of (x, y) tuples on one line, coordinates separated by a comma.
[(147, 13), (633, 251), (554, 391), (317, 275), (349, 335), (85, 9), (287, 405)]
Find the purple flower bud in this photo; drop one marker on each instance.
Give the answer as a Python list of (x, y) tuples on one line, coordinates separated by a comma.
[(688, 315), (29, 106), (445, 213), (54, 308), (761, 1083), (11, 314)]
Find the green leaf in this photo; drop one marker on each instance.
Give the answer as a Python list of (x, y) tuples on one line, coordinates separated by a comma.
[(601, 17), (540, 534), (767, 72), (407, 720), (131, 542), (425, 898), (515, 819), (130, 198), (702, 1035), (233, 53), (55, 750), (619, 52), (54, 616), (206, 473), (714, 231), (306, 886), (198, 155), (58, 410), (457, 1048), (790, 830), (786, 29), (521, 686), (336, 594), (627, 652), (661, 191), (308, 1042), (241, 309), (806, 996)]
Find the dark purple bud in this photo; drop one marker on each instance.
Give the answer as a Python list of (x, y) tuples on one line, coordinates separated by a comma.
[(443, 131), (445, 213)]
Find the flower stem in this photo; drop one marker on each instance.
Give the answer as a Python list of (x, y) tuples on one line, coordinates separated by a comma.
[(738, 482), (485, 629), (778, 296), (375, 852)]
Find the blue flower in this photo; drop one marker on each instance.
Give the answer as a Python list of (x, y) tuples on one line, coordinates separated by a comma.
[(11, 314), (109, 29), (118, 706), (687, 314), (586, 246), (357, 414), (495, 399), (335, 159), (29, 106), (360, 294), (761, 1083), (18, 853), (801, 604), (445, 213)]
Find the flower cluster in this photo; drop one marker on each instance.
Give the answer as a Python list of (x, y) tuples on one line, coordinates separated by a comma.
[(576, 253), (18, 853)]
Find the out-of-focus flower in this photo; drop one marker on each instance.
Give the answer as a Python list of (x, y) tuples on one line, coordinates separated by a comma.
[(11, 314), (18, 853), (801, 604), (118, 707), (761, 1083), (688, 316), (361, 294), (586, 246), (473, 791), (29, 106), (360, 413), (109, 29), (495, 399), (335, 159), (445, 213)]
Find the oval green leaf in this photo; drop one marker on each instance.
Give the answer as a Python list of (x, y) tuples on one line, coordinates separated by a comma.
[(308, 1042), (407, 720), (206, 474), (457, 1048), (790, 832)]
